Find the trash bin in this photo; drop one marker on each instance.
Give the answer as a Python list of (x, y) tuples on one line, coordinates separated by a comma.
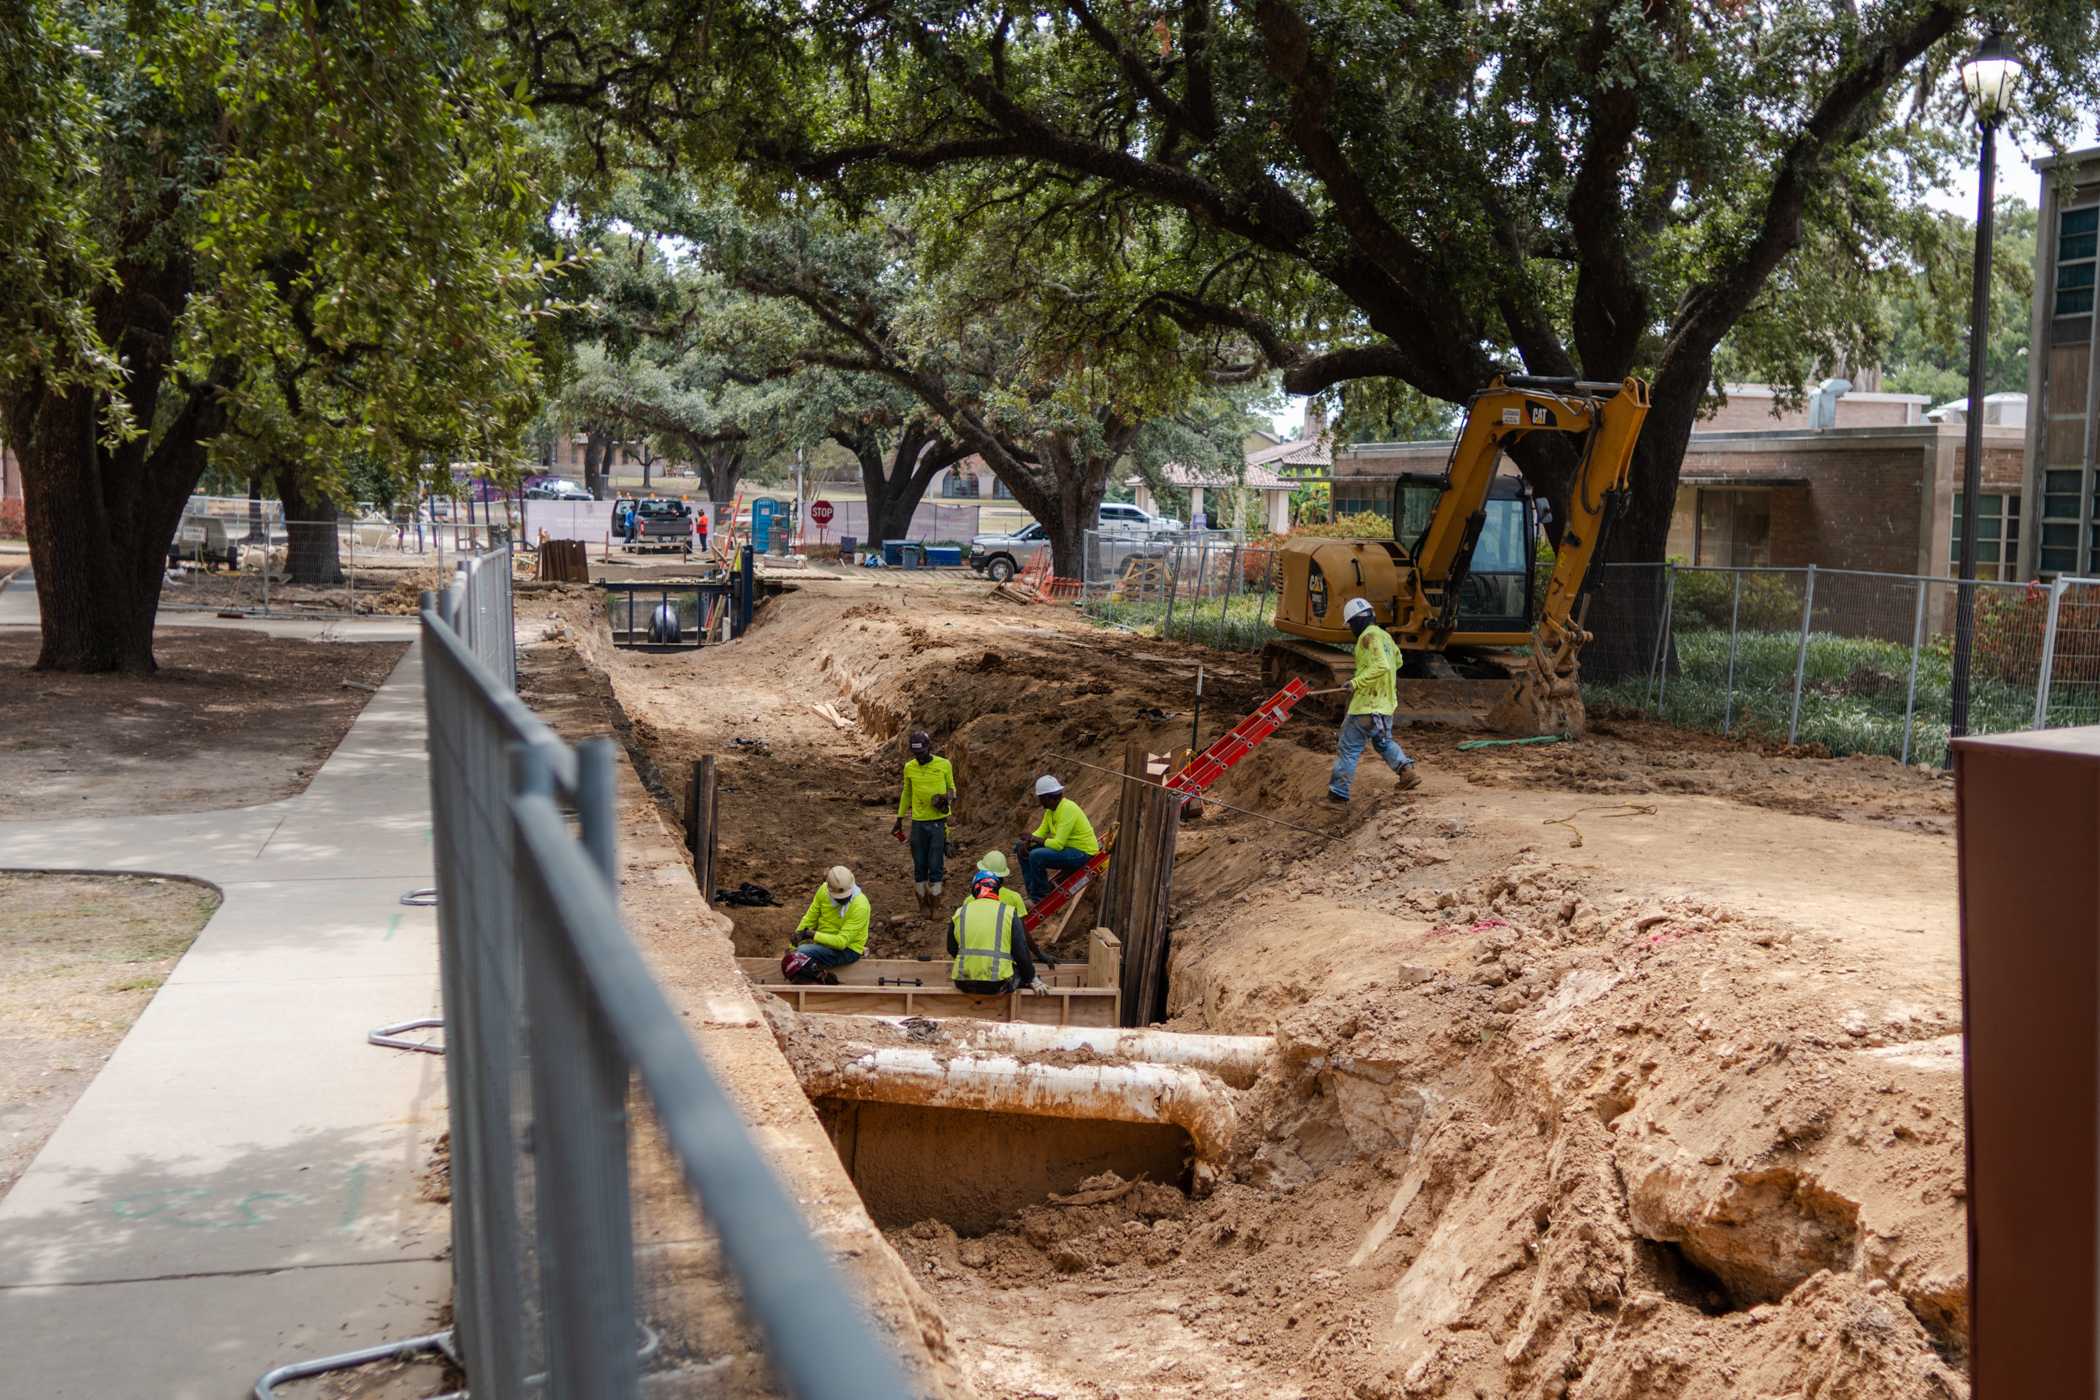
[(911, 555)]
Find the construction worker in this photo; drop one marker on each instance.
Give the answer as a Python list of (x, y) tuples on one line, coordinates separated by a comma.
[(994, 863), (1063, 841), (984, 935), (837, 928), (1372, 700), (927, 798)]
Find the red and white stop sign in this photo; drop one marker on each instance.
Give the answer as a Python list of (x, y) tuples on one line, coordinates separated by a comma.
[(820, 511)]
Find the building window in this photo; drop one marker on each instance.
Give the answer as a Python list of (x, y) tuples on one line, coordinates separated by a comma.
[(2077, 233), (1997, 533), (1355, 496), (959, 486), (1735, 528)]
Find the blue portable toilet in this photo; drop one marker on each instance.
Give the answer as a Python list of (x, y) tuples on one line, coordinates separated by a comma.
[(762, 523)]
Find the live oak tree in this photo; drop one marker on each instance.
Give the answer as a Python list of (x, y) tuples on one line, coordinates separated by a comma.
[(303, 222), (1418, 193), (1049, 372)]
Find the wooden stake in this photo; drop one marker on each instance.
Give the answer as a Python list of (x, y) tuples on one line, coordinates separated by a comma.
[(700, 813)]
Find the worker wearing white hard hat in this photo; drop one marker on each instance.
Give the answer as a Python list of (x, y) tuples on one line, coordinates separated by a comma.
[(1373, 696), (834, 930), (1064, 840)]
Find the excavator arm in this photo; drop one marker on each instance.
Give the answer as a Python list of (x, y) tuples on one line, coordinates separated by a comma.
[(1547, 697)]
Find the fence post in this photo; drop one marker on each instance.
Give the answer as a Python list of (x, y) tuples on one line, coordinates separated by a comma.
[(1166, 625), (1202, 583), (353, 568), (579, 1091), (1735, 612), (1917, 644), (1232, 578), (1808, 604), (1662, 633), (2057, 587)]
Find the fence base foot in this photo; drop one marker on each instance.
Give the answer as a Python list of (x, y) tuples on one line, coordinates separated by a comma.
[(391, 1037), (439, 1343), (424, 898)]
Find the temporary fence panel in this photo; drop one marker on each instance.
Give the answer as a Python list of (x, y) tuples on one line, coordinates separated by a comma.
[(1213, 587), (586, 1132)]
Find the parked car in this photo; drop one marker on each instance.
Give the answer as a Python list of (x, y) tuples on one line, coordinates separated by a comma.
[(999, 557), (556, 488), (654, 522)]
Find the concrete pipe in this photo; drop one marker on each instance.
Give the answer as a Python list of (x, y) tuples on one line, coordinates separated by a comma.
[(1186, 1098), (1236, 1059)]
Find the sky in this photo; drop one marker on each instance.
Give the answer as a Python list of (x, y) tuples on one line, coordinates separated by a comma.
[(2017, 177)]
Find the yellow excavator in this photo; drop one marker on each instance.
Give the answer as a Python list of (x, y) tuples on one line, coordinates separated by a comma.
[(1454, 585)]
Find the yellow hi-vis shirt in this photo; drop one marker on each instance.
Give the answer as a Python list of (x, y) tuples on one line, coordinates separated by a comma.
[(835, 927), (922, 783), (1065, 828), (1013, 900), (1372, 689)]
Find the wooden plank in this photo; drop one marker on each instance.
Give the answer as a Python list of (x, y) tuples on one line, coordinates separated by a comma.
[(1067, 1007), (1115, 894), (702, 810), (1104, 959), (932, 972)]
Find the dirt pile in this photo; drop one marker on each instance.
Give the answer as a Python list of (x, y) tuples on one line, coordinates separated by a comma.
[(1577, 1097)]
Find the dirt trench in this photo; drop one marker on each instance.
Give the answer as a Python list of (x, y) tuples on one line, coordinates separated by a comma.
[(1625, 1069)]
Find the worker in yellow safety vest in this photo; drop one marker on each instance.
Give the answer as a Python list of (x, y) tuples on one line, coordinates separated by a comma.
[(836, 926), (994, 863), (928, 798), (985, 937), (1373, 696), (1063, 840)]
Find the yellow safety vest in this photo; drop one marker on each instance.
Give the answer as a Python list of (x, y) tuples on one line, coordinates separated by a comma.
[(984, 942)]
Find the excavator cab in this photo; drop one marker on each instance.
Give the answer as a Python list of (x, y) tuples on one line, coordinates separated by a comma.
[(1495, 597)]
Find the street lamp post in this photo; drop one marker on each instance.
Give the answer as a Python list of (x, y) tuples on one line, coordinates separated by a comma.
[(1989, 75)]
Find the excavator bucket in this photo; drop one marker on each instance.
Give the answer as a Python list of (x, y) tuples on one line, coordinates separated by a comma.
[(1546, 695)]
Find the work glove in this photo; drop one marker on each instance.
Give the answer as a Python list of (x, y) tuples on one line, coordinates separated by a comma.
[(1039, 985)]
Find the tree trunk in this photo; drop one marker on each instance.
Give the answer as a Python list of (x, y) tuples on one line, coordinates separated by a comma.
[(313, 553), (720, 469), (597, 471), (894, 489), (99, 523)]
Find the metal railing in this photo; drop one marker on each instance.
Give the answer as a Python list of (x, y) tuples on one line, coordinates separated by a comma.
[(587, 1136)]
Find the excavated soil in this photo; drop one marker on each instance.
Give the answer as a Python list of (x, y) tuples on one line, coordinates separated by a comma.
[(1627, 1068)]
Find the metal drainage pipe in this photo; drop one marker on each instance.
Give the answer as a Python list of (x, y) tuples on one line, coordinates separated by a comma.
[(1145, 1093), (1236, 1059)]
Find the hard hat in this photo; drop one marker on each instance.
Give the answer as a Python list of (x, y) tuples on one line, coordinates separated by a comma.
[(1046, 785), (985, 885), (840, 881), (995, 862), (1356, 608)]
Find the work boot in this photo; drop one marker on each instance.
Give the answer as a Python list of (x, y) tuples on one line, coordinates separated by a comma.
[(1408, 778), (918, 888), (933, 889)]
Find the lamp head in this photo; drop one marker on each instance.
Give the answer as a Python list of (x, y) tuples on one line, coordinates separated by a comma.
[(1991, 76)]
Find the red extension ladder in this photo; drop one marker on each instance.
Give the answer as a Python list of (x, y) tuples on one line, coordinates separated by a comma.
[(1201, 771)]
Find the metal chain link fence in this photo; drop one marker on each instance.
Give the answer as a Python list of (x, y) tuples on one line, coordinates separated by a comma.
[(614, 1226), (1852, 661), (220, 562)]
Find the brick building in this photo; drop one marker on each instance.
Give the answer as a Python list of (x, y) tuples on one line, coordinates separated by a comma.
[(1878, 491), (2061, 528)]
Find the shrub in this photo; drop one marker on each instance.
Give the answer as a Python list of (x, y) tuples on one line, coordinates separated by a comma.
[(1363, 525), (12, 524), (1706, 598)]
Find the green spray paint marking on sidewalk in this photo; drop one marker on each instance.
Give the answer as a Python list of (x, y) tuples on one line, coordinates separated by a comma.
[(393, 926), (353, 1197)]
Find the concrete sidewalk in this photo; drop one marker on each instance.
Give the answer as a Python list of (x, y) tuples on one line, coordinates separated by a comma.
[(18, 609), (239, 1186)]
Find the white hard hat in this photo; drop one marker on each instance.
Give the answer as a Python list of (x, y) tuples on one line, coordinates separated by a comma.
[(1356, 608), (1046, 785), (840, 881)]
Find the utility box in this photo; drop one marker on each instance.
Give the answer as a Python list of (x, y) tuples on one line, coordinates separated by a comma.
[(2028, 813)]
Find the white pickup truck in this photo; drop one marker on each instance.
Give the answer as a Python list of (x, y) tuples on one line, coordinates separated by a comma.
[(1000, 557)]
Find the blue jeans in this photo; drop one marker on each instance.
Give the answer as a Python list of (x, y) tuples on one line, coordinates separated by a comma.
[(1042, 860), (1358, 730), (827, 957), (929, 852)]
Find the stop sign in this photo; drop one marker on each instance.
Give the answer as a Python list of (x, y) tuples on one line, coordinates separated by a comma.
[(820, 511)]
